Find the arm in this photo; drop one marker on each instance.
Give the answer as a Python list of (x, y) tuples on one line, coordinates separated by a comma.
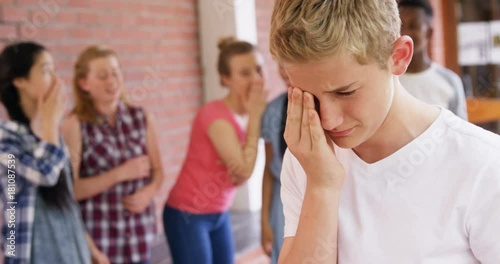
[(97, 256), (141, 199), (316, 238), (460, 105), (42, 163), (88, 187), (91, 243), (154, 156), (313, 221), (41, 166), (239, 160), (267, 192)]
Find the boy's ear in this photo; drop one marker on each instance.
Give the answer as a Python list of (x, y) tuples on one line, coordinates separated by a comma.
[(401, 55)]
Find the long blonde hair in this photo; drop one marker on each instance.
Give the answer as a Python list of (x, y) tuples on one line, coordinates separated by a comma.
[(84, 107)]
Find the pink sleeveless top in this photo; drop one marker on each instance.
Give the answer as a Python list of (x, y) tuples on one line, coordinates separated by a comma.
[(204, 185)]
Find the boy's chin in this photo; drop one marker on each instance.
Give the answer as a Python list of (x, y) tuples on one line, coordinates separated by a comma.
[(348, 142)]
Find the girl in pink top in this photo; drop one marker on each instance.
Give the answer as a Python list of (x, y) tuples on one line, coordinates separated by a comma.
[(221, 155)]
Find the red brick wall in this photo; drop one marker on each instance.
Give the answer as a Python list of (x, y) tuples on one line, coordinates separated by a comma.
[(157, 42), (263, 10)]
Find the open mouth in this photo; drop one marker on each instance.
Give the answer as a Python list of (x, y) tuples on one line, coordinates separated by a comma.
[(112, 90)]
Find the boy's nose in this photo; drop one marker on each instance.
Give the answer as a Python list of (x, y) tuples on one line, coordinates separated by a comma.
[(331, 117)]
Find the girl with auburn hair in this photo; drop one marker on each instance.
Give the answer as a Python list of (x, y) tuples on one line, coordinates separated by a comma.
[(115, 159), (221, 155)]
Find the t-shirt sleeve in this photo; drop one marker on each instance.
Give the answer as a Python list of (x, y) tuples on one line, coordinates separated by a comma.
[(293, 184), (484, 218), (459, 106), (41, 164)]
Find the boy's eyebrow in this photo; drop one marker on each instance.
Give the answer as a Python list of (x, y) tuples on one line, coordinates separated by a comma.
[(340, 89)]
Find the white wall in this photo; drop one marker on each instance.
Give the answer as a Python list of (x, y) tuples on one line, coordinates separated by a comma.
[(249, 195), (217, 20)]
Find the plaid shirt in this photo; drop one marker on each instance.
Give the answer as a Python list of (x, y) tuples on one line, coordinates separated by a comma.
[(122, 236), (25, 164)]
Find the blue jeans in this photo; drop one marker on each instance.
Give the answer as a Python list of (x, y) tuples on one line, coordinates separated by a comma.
[(199, 238)]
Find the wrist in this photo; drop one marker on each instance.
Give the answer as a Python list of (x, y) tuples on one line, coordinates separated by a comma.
[(151, 189), (150, 192), (51, 135), (253, 129), (120, 174), (254, 118), (325, 179), (265, 221), (93, 249), (323, 190)]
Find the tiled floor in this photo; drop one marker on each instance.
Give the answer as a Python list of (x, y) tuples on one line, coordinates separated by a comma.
[(246, 230)]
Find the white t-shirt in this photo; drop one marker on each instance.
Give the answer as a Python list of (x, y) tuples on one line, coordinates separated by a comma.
[(241, 120), (436, 200), (437, 86)]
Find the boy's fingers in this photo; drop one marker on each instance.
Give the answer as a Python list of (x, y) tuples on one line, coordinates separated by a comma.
[(288, 108), (309, 103), (316, 130), (329, 141), (294, 117)]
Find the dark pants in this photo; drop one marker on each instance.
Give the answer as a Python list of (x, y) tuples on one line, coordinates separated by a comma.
[(199, 238)]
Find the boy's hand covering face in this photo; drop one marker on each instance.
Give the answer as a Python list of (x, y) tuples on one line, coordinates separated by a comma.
[(307, 141)]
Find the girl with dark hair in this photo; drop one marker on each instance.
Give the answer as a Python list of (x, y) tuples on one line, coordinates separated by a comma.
[(42, 223), (221, 155), (273, 128)]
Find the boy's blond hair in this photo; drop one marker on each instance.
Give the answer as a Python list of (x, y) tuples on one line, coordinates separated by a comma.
[(313, 30)]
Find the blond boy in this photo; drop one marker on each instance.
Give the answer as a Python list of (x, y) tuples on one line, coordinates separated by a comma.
[(375, 176)]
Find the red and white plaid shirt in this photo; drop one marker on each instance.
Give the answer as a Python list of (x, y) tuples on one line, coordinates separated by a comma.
[(123, 236)]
